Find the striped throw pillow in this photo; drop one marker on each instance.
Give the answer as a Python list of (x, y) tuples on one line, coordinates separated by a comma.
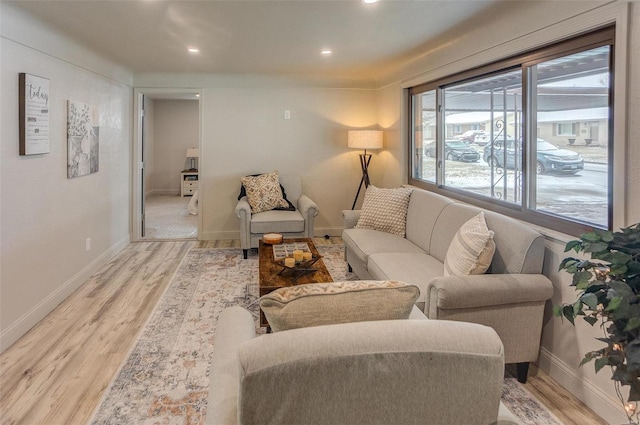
[(471, 249)]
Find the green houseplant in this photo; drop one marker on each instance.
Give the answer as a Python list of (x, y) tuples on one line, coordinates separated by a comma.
[(609, 285)]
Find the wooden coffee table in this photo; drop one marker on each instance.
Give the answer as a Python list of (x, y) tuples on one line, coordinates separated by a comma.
[(271, 279)]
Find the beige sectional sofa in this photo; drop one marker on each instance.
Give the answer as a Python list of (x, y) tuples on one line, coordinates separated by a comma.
[(510, 297), (376, 372)]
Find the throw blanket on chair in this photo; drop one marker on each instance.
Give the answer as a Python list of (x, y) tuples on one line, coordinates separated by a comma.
[(193, 204)]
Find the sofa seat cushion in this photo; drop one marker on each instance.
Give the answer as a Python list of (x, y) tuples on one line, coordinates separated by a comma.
[(277, 221), (365, 242), (414, 268), (319, 304)]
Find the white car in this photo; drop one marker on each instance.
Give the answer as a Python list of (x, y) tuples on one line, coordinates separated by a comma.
[(479, 137)]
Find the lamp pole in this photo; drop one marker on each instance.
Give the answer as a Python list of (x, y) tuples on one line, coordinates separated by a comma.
[(365, 159)]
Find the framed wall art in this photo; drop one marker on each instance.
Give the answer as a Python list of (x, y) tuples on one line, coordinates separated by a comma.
[(82, 139), (33, 114)]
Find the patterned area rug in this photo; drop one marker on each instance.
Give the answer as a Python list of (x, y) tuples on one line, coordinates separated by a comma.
[(165, 379)]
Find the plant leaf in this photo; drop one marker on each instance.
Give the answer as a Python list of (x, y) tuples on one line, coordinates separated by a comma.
[(618, 257), (632, 324), (590, 320), (577, 307), (590, 237), (618, 269), (621, 289), (557, 310), (596, 247), (591, 300), (605, 235), (632, 351), (567, 311), (575, 245), (601, 362), (614, 303)]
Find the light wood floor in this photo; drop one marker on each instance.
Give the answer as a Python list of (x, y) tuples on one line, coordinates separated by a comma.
[(56, 373)]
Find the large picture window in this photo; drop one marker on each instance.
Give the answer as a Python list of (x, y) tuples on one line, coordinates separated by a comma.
[(529, 136)]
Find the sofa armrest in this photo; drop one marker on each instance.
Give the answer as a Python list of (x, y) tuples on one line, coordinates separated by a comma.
[(235, 326), (307, 207), (350, 218), (456, 292)]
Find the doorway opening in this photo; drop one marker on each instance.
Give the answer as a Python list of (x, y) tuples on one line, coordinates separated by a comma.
[(167, 165)]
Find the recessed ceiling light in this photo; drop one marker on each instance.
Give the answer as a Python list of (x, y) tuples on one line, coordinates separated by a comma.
[(369, 1), (197, 94), (326, 52), (193, 50)]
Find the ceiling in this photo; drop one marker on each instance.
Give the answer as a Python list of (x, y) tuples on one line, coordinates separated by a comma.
[(259, 37)]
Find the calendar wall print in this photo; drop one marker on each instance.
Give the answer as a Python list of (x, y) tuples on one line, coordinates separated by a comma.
[(33, 114)]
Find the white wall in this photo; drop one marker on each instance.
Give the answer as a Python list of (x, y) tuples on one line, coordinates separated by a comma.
[(244, 132), (45, 217), (521, 26), (176, 128)]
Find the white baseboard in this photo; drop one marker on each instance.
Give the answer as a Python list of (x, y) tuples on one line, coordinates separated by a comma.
[(331, 231), (28, 320), (603, 404), (163, 192)]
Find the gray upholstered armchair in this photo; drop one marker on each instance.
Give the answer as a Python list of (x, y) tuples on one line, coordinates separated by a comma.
[(292, 224)]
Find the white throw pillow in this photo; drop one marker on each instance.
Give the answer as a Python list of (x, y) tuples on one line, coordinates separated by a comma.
[(385, 210), (471, 249)]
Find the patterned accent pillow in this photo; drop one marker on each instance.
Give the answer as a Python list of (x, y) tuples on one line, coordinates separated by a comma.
[(471, 249), (264, 192), (385, 210), (318, 304)]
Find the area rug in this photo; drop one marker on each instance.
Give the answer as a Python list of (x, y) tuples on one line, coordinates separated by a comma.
[(165, 378)]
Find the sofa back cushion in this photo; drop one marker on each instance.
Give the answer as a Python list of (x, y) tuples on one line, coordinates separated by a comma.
[(423, 212), (389, 372), (519, 248), (338, 302)]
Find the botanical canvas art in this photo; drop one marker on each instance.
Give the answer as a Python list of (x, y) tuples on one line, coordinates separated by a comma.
[(82, 139)]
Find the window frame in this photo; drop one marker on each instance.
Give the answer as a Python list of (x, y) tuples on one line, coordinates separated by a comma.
[(603, 36)]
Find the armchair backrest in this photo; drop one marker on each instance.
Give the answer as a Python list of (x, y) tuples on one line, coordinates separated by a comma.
[(382, 372), (292, 187)]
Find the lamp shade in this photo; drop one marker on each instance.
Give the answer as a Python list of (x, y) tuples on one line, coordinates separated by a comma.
[(365, 139), (193, 153)]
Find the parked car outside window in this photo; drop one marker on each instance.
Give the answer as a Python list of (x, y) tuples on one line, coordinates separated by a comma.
[(454, 150), (479, 137), (549, 158)]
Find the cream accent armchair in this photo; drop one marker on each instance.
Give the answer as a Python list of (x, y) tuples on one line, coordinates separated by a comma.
[(292, 224)]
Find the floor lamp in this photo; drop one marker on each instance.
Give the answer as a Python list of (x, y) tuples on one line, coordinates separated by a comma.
[(364, 139)]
